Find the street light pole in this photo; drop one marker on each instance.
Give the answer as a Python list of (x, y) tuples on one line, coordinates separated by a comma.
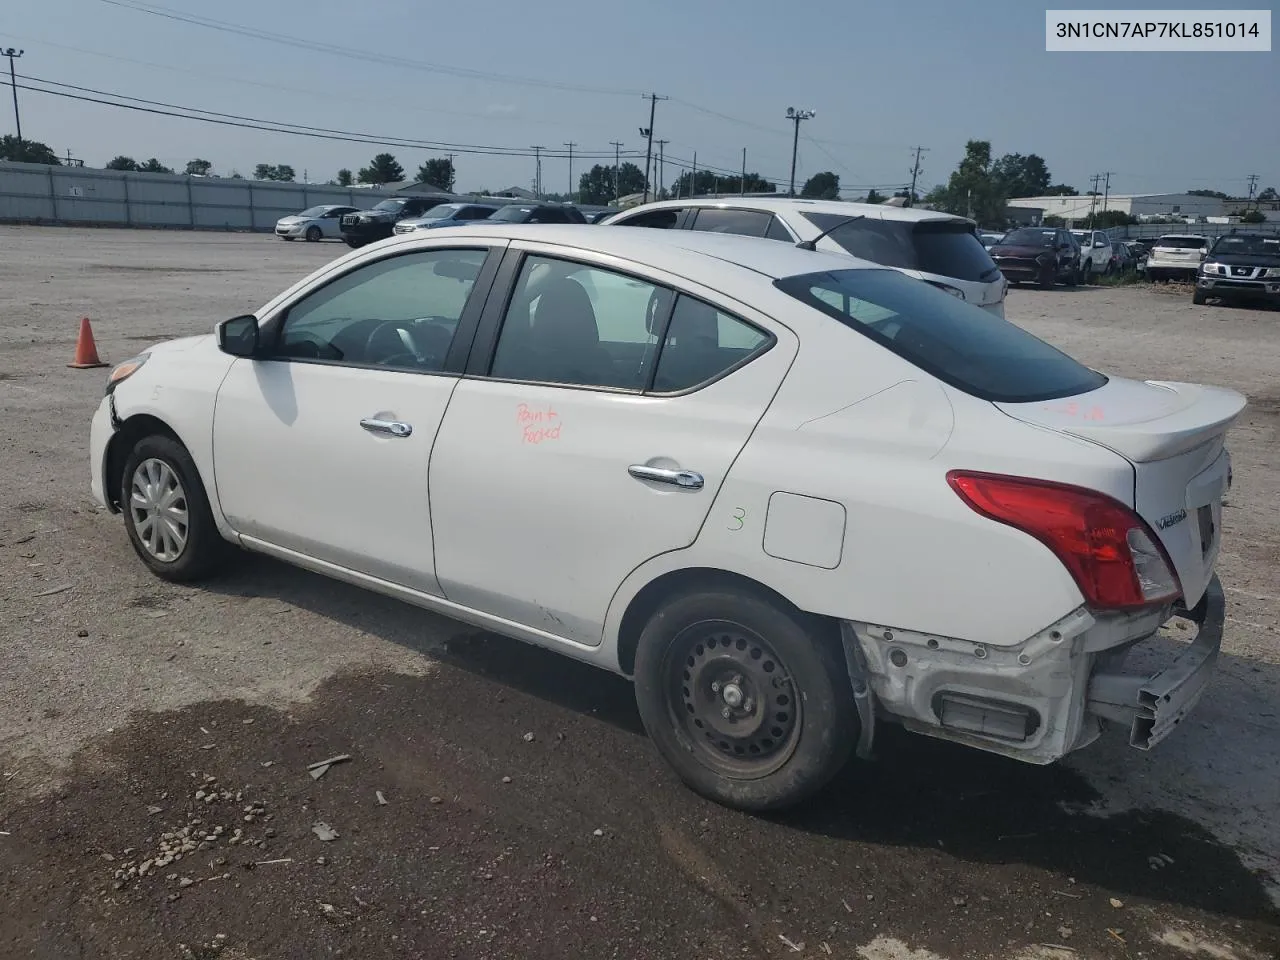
[(13, 54), (795, 116)]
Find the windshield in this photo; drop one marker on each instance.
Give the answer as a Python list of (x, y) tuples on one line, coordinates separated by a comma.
[(1248, 246), (512, 212), (957, 342), (946, 248), (312, 212), (1027, 237), (1181, 243), (442, 212), (394, 204)]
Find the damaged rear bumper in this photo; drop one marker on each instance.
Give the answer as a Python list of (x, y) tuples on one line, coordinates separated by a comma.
[(1152, 705), (1045, 697)]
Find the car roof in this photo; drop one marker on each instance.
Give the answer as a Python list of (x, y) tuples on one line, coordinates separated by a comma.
[(662, 249), (800, 204)]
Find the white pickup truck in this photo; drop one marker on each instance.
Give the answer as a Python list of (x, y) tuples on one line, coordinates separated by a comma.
[(1095, 253)]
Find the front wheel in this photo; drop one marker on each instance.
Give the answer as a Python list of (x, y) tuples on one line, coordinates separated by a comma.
[(353, 244), (313, 234), (166, 511), (1198, 297), (1086, 271), (744, 698)]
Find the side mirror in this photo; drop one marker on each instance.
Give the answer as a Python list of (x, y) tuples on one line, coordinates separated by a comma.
[(1099, 243), (239, 336)]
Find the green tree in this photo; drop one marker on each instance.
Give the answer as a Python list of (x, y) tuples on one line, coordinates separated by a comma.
[(122, 163), (27, 151), (154, 166), (972, 191), (1254, 216), (596, 186), (198, 168), (1208, 193), (1060, 190), (1101, 219), (822, 186), (383, 169), (439, 172), (873, 197), (1019, 176), (1268, 194), (710, 182), (344, 177), (281, 172)]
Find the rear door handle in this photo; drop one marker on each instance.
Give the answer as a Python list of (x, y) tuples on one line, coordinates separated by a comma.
[(395, 428), (689, 479)]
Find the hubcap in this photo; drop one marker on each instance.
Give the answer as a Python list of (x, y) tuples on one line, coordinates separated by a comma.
[(734, 699), (158, 508)]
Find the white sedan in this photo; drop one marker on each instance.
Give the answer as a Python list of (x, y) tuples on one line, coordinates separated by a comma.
[(791, 494), (314, 223)]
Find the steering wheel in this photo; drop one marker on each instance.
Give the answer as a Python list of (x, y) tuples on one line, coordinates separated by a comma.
[(411, 355)]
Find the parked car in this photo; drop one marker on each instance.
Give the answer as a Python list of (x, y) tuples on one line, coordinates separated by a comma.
[(378, 223), (1123, 257), (1176, 256), (1095, 253), (726, 469), (539, 213), (594, 215), (1241, 267), (314, 223), (446, 215), (989, 238), (939, 248), (1043, 255)]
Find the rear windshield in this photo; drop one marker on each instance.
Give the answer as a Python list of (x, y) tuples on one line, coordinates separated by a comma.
[(957, 342), (947, 249), (1182, 243)]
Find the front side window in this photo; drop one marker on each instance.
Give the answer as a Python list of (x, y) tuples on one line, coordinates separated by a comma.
[(959, 343), (748, 223), (574, 324), (400, 312)]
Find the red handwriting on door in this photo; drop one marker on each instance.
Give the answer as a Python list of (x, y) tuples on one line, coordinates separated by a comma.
[(537, 424)]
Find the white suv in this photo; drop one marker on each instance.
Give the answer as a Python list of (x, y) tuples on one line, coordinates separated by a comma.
[(1095, 253), (939, 248), (1176, 255)]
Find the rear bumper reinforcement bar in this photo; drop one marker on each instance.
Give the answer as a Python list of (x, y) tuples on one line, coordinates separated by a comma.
[(1152, 705)]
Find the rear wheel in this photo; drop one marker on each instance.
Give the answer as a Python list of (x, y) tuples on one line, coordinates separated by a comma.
[(744, 698), (313, 233), (166, 511), (1086, 271)]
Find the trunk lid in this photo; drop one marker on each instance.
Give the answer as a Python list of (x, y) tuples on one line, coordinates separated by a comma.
[(1173, 435)]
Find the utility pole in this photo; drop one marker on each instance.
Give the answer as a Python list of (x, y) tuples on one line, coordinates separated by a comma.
[(13, 54), (693, 176), (570, 145), (742, 184), (1253, 184), (795, 116), (453, 174), (662, 160), (653, 99), (1106, 190), (617, 145), (537, 178), (1093, 195), (915, 173)]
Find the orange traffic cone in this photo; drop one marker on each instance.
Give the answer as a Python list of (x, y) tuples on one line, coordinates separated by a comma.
[(86, 349)]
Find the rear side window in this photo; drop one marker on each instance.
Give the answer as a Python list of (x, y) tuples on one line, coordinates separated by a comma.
[(941, 248), (659, 219), (748, 223), (958, 343)]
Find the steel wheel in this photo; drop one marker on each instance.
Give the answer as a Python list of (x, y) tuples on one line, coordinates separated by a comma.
[(158, 508), (734, 698)]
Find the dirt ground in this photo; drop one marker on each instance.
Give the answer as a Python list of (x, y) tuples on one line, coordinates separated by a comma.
[(154, 740)]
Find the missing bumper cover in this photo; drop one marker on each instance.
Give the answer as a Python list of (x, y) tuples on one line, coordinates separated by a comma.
[(1001, 719)]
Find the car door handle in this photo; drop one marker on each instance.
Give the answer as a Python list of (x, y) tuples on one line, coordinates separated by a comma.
[(395, 428), (688, 479)]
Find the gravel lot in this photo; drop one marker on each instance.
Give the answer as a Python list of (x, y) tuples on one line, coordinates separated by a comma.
[(121, 694)]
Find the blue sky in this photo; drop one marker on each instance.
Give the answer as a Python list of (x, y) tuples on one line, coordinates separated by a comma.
[(882, 78)]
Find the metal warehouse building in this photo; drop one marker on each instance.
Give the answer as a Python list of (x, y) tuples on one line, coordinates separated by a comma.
[(1134, 204)]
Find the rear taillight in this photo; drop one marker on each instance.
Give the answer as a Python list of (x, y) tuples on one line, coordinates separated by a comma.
[(1111, 553)]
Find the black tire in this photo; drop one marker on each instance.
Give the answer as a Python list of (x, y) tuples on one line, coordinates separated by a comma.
[(1047, 278), (353, 244), (204, 550), (1198, 297), (313, 234), (798, 721), (1071, 279), (287, 238), (1086, 271)]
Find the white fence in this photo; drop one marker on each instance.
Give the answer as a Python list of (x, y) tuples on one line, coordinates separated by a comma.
[(34, 193)]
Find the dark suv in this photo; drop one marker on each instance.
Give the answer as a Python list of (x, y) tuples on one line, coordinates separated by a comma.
[(1241, 266), (379, 222), (1045, 255)]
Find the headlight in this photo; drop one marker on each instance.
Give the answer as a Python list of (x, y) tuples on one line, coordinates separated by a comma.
[(1273, 272), (124, 370), (1208, 266)]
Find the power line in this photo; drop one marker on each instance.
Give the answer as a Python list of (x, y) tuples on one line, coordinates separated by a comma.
[(272, 126)]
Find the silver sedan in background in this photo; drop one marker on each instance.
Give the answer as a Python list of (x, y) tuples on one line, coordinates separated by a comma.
[(314, 223)]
